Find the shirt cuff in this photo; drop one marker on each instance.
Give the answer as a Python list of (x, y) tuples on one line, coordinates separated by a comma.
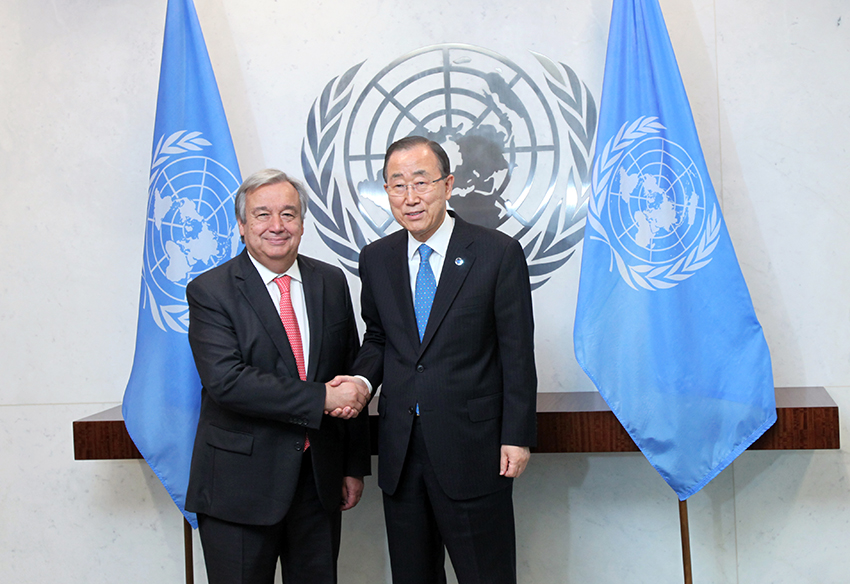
[(366, 381)]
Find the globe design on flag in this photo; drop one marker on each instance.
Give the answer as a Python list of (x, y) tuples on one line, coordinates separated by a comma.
[(656, 203), (191, 225)]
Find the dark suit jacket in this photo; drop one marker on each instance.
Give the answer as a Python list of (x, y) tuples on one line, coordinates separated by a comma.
[(254, 408), (473, 375)]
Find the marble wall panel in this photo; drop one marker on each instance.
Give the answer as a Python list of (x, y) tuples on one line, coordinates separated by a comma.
[(782, 67), (792, 511), (79, 521)]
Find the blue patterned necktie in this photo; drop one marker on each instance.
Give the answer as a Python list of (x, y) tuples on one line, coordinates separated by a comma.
[(426, 286)]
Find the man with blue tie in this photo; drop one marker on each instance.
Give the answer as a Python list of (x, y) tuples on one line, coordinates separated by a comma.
[(450, 338)]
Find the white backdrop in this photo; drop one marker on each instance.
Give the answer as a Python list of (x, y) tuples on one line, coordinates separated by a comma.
[(767, 82)]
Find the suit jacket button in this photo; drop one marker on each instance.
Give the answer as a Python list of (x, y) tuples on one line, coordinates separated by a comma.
[(420, 368), (298, 446), (411, 410)]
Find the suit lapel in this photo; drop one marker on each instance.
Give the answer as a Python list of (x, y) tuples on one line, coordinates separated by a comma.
[(398, 274), (251, 286), (314, 292), (456, 265)]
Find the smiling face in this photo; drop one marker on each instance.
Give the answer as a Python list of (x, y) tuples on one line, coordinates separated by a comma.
[(420, 214), (273, 225)]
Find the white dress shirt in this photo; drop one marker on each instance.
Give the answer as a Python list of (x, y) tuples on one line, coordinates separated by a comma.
[(438, 242), (296, 292)]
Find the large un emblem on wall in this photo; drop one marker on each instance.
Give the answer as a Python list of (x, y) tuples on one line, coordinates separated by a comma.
[(520, 154)]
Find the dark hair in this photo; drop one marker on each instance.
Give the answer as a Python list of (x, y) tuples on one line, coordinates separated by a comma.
[(411, 142)]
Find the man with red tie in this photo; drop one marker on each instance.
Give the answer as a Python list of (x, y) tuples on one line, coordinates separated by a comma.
[(270, 471)]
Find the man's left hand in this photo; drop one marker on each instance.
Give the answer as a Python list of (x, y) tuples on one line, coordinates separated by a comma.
[(514, 460), (352, 489)]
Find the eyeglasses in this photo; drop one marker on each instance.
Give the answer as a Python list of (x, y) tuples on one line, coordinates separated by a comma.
[(420, 187)]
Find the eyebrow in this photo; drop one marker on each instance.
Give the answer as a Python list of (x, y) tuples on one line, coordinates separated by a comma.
[(415, 173), (264, 208)]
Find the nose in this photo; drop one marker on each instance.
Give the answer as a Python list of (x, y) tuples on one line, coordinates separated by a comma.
[(277, 223), (411, 197)]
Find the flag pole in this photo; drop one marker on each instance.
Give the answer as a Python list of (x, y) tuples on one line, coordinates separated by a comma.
[(686, 541), (187, 552)]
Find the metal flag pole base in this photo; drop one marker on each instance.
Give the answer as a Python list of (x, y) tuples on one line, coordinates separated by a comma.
[(686, 541), (187, 552)]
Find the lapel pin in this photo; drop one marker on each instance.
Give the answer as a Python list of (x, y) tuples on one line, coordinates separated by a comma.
[(458, 261)]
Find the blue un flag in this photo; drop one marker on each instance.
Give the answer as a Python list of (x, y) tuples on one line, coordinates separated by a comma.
[(190, 228), (665, 327)]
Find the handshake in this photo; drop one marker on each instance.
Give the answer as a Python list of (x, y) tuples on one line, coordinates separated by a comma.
[(345, 396)]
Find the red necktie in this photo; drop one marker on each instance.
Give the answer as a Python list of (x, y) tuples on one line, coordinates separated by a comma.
[(290, 325)]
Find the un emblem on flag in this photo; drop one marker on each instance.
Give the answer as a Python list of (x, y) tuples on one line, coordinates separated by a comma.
[(191, 225), (518, 140), (649, 194)]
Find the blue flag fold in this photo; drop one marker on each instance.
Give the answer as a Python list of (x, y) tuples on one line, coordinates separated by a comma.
[(665, 327), (190, 228)]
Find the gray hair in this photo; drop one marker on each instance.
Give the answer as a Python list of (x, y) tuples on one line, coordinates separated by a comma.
[(264, 178)]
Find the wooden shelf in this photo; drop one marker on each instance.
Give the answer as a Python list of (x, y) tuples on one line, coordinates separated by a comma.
[(807, 419), (103, 436)]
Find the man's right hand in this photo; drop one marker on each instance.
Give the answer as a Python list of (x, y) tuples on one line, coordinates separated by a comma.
[(345, 396)]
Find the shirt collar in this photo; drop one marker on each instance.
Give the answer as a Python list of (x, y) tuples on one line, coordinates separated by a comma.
[(439, 241), (268, 276)]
